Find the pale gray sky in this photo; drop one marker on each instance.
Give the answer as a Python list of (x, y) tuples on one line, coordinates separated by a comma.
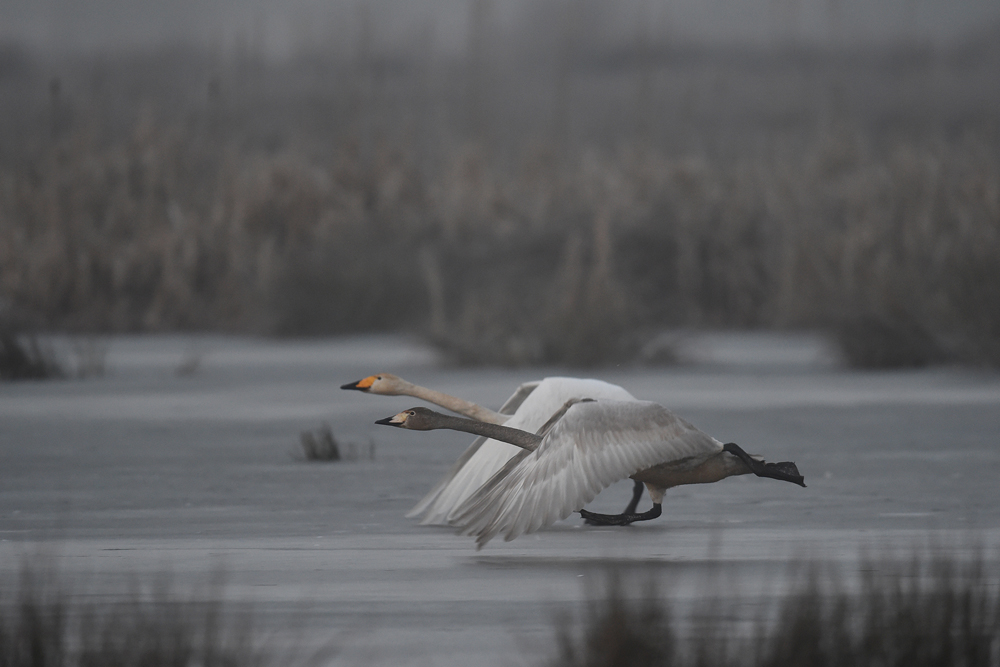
[(285, 27)]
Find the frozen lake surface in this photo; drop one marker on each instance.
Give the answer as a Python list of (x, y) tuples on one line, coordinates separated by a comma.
[(146, 470)]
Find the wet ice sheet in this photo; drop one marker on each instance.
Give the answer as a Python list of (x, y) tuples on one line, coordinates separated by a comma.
[(144, 470)]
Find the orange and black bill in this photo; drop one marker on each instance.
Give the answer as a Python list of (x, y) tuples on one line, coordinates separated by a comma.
[(360, 385)]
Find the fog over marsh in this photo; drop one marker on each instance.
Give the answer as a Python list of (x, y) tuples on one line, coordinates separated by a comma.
[(214, 214), (288, 28)]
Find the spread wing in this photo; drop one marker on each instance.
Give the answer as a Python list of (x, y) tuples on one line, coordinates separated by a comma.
[(492, 460), (594, 445), (515, 400), (424, 503), (534, 402)]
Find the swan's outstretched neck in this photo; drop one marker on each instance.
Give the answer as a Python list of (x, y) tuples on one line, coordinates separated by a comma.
[(388, 384), (455, 404), (422, 419)]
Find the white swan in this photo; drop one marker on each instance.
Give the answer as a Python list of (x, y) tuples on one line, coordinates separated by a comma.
[(586, 447), (527, 409)]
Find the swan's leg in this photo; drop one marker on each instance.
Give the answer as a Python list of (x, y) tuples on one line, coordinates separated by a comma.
[(636, 496), (786, 471), (637, 490), (620, 519)]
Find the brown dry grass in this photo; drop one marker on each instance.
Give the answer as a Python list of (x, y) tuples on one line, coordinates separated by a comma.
[(925, 611), (46, 623), (269, 208)]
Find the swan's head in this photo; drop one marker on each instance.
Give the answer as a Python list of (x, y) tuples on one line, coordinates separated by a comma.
[(414, 419), (385, 384)]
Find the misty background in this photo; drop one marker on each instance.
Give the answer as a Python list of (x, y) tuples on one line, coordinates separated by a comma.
[(289, 29), (518, 182), (716, 202)]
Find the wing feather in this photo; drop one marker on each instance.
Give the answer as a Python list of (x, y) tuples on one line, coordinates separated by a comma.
[(533, 403), (488, 458), (590, 448), (425, 503), (518, 397)]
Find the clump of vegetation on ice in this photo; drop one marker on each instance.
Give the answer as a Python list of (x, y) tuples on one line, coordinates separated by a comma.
[(24, 357), (321, 445)]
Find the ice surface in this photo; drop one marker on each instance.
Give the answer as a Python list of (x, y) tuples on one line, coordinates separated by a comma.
[(145, 470)]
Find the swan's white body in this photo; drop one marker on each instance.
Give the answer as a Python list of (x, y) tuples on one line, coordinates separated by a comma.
[(592, 446), (532, 405)]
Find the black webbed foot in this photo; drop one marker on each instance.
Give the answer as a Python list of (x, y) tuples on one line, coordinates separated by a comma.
[(594, 519), (786, 471)]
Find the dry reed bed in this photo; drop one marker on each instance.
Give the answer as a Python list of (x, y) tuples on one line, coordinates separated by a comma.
[(541, 263), (887, 612), (44, 622), (517, 219), (926, 611)]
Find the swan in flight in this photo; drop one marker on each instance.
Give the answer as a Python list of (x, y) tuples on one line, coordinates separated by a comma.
[(527, 409), (585, 447)]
